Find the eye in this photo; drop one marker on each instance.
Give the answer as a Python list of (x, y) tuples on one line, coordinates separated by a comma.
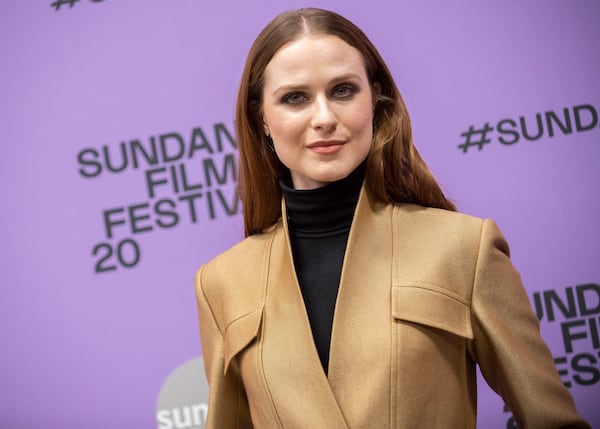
[(344, 90), (293, 98)]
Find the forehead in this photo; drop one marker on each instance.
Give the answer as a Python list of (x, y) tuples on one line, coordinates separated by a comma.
[(313, 56)]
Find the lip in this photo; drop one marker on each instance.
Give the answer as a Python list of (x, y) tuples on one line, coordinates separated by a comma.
[(326, 146)]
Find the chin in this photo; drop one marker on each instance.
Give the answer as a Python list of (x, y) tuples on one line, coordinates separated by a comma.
[(333, 176)]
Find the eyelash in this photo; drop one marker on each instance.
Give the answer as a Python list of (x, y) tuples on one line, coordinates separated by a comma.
[(287, 98), (348, 91)]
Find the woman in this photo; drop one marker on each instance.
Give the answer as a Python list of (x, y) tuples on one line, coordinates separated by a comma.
[(360, 298)]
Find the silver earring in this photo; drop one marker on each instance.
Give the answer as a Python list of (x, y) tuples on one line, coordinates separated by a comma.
[(270, 143)]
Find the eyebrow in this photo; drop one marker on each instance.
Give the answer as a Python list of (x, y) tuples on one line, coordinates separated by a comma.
[(301, 87)]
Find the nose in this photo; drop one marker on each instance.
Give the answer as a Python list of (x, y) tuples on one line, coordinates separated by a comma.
[(323, 117)]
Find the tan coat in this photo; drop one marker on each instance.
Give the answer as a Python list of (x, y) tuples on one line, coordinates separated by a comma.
[(425, 294)]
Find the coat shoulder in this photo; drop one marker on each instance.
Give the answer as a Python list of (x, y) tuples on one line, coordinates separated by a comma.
[(240, 259), (459, 230), (232, 282), (441, 248), (436, 223)]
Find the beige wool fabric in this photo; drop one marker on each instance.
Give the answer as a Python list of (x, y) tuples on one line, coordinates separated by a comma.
[(425, 295)]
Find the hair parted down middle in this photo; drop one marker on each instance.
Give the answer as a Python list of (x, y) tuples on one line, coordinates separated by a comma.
[(395, 170)]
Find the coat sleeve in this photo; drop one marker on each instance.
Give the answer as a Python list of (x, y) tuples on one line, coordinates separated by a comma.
[(511, 353), (227, 402)]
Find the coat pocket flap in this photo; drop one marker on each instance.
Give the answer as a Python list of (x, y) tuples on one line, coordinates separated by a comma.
[(240, 333), (432, 306)]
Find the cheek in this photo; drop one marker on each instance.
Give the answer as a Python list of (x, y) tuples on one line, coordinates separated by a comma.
[(285, 132), (285, 127), (362, 123), (360, 116)]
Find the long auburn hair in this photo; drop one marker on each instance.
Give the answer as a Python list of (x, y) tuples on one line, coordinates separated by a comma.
[(396, 172)]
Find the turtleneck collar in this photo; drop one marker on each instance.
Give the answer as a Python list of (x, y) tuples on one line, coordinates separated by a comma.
[(324, 211)]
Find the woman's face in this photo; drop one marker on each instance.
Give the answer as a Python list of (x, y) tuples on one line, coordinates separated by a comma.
[(318, 109)]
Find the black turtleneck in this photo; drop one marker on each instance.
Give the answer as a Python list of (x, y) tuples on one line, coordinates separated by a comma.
[(319, 223)]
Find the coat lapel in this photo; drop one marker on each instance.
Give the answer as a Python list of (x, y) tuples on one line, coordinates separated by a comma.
[(359, 363), (293, 372)]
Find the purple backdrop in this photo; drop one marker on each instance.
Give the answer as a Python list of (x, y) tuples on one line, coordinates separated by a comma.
[(97, 300)]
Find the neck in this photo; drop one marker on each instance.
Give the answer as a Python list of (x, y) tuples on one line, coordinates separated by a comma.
[(325, 210)]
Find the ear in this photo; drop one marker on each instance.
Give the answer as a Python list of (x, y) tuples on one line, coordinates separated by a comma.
[(257, 113), (376, 91)]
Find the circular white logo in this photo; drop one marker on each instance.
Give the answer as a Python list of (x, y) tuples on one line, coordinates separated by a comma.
[(183, 398)]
